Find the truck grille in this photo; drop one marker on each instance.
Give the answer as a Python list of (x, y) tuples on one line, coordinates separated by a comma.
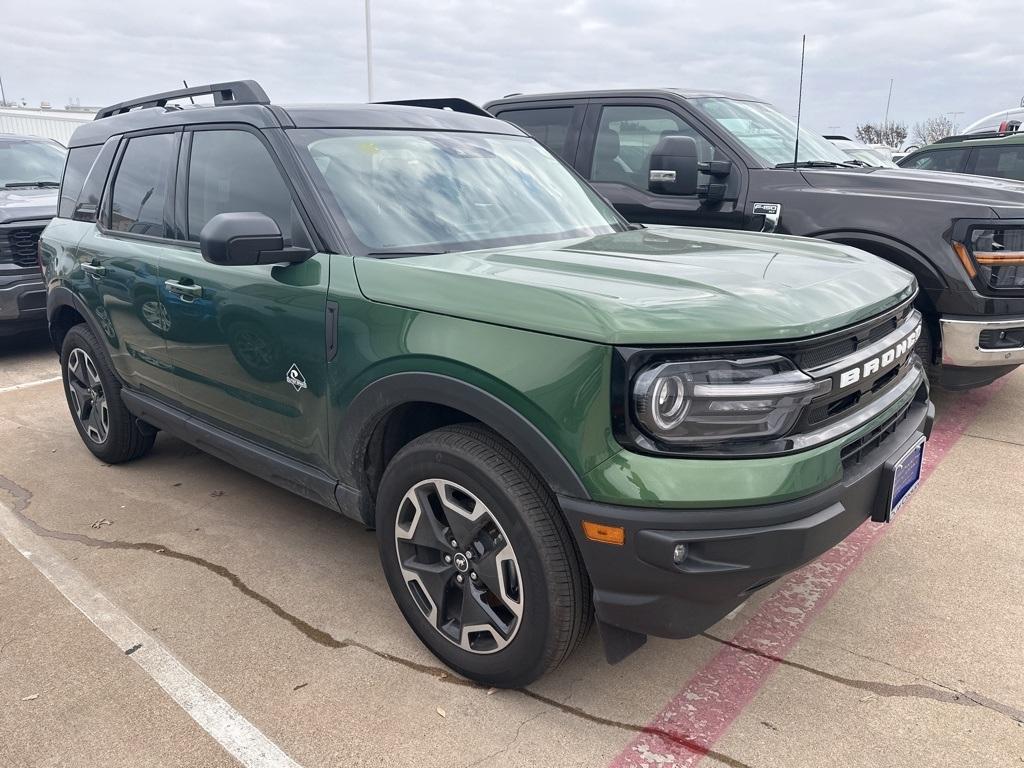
[(19, 245)]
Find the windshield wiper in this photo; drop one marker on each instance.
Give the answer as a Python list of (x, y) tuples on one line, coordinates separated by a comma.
[(16, 184), (399, 252), (815, 164)]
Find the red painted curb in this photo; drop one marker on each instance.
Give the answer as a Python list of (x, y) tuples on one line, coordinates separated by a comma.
[(703, 710)]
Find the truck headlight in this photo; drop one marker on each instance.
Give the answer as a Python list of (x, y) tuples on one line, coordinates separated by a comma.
[(710, 401), (995, 253)]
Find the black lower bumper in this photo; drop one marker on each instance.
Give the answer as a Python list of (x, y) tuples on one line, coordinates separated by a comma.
[(22, 304), (730, 553)]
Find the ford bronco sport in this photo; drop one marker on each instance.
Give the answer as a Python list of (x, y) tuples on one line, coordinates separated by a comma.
[(30, 170), (419, 317), (732, 161)]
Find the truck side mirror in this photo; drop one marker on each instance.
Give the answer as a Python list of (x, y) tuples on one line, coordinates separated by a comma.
[(673, 169)]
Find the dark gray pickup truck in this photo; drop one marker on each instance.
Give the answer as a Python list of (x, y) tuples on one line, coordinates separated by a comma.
[(711, 159), (30, 173)]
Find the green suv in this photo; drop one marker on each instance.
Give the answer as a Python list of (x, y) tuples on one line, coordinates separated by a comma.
[(416, 315), (994, 153)]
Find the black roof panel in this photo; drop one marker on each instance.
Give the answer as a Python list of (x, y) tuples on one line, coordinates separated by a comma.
[(684, 93)]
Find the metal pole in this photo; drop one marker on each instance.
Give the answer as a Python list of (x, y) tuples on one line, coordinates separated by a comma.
[(888, 101), (799, 103), (3, 96), (956, 123), (369, 56)]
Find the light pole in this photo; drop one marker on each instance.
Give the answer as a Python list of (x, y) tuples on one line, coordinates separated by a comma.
[(369, 55), (953, 116)]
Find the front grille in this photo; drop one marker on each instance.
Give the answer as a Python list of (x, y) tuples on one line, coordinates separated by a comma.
[(19, 246), (859, 448)]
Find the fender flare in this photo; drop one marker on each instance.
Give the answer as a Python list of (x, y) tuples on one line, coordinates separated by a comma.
[(61, 296), (912, 260), (366, 410)]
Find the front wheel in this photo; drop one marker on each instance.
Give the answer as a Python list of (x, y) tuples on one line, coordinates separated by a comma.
[(478, 557)]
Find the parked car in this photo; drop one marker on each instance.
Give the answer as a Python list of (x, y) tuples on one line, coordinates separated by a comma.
[(542, 410), (30, 172), (1006, 121), (1000, 155), (862, 154), (734, 166)]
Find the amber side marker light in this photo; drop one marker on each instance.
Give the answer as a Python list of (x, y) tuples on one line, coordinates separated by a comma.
[(605, 534), (965, 259)]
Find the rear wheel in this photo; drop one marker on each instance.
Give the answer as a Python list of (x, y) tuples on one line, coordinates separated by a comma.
[(94, 397), (478, 557)]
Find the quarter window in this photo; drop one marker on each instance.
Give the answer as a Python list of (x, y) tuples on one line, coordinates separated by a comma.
[(626, 137), (938, 160), (549, 126), (232, 172), (80, 160), (139, 197)]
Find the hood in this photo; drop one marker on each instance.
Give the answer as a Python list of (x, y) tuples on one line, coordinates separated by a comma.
[(661, 285), (921, 185), (27, 203)]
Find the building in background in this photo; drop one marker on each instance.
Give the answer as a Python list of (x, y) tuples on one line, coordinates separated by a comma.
[(57, 124)]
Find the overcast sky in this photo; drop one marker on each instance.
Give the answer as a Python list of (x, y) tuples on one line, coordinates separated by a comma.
[(945, 55)]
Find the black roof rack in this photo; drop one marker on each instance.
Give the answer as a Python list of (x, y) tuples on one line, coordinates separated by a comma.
[(236, 92), (981, 135), (455, 105), (838, 138)]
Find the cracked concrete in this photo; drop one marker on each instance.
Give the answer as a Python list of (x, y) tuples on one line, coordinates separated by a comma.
[(280, 607)]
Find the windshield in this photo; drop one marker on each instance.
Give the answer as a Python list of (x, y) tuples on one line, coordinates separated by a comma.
[(432, 191), (869, 156), (767, 133), (27, 163)]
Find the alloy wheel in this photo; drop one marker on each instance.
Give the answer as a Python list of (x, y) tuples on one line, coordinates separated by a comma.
[(88, 399), (459, 566)]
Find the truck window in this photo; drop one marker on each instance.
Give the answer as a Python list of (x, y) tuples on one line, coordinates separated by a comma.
[(626, 136), (1002, 162), (549, 126), (937, 160)]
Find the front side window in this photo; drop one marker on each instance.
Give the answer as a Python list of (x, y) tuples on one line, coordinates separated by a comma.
[(232, 172), (1002, 162), (549, 126), (29, 163), (626, 137), (433, 191), (768, 134), (139, 196), (937, 160)]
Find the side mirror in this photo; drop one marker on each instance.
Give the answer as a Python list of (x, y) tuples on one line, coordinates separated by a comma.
[(245, 239), (673, 168)]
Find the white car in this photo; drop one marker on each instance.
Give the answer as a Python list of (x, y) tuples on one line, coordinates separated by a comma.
[(1005, 121), (871, 155)]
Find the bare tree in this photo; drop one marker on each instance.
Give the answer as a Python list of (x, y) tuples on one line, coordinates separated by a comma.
[(933, 129), (891, 134)]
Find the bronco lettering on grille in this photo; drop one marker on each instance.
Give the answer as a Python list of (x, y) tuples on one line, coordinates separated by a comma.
[(880, 362)]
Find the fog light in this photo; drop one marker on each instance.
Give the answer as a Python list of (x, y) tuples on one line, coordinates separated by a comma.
[(679, 554)]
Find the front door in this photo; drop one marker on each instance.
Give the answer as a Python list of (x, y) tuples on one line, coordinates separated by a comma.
[(615, 156), (247, 343)]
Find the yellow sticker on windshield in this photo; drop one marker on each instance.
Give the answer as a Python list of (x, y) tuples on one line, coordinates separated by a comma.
[(369, 147)]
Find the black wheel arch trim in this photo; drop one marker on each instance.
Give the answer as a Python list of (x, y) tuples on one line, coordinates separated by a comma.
[(61, 296), (375, 401)]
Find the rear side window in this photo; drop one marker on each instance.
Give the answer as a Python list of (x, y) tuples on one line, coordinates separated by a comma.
[(80, 160), (549, 126), (89, 199), (139, 197), (1002, 162), (937, 160), (232, 172)]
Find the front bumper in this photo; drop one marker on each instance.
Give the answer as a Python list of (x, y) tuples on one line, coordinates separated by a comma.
[(22, 303), (964, 347), (730, 552)]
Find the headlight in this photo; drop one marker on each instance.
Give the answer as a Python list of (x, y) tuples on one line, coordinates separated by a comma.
[(711, 401), (993, 252)]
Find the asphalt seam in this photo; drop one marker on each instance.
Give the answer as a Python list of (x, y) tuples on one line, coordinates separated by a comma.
[(23, 498)]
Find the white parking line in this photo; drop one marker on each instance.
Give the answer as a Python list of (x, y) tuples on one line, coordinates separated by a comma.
[(243, 740), (28, 384)]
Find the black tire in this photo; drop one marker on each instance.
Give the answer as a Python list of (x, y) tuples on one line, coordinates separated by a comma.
[(927, 351), (556, 593), (117, 438)]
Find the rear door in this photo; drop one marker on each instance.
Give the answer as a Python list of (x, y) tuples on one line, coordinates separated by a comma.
[(119, 257), (1003, 161), (248, 343), (619, 135)]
